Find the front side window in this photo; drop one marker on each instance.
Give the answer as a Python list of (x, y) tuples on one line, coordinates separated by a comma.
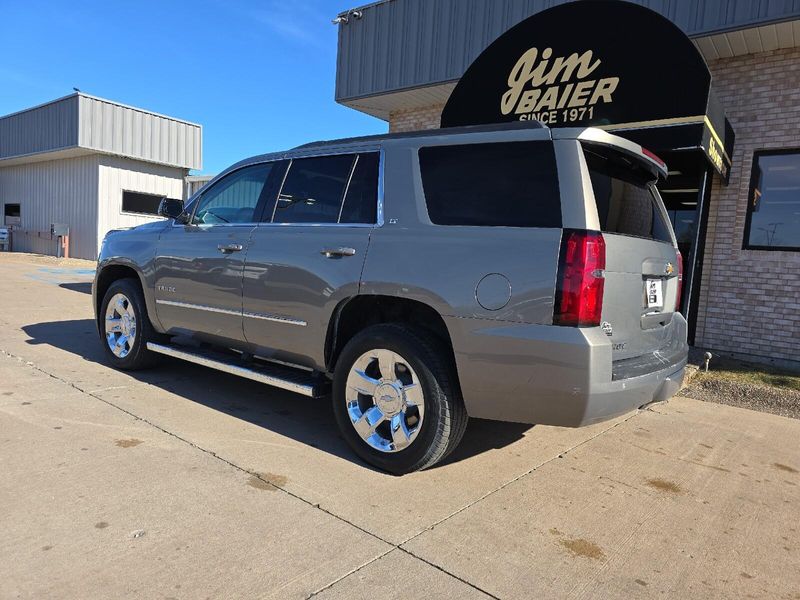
[(314, 189), (234, 198), (626, 201), (513, 184), (773, 208)]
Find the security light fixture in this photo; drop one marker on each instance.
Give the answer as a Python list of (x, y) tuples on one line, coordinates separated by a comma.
[(345, 18)]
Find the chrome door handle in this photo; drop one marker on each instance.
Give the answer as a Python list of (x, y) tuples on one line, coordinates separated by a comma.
[(334, 252), (228, 248)]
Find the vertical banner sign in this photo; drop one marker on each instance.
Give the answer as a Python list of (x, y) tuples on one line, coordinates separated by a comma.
[(601, 63)]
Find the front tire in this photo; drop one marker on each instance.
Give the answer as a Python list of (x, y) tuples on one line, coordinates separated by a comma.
[(396, 398), (125, 327)]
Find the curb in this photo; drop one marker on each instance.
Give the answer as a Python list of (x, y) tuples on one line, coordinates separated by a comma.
[(690, 373)]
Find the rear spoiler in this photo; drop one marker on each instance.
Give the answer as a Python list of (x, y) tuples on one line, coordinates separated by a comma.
[(601, 138)]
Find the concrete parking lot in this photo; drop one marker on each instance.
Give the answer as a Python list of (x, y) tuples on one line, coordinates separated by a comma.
[(182, 482)]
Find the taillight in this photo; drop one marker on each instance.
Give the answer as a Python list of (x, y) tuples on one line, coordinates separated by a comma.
[(579, 290), (653, 156), (680, 281)]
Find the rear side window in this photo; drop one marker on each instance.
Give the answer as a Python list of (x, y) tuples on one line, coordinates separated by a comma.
[(361, 201), (513, 184), (626, 203), (314, 190)]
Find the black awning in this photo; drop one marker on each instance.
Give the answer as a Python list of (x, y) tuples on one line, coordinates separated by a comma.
[(608, 64)]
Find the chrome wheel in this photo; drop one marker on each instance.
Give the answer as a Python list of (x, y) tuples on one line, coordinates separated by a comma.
[(385, 401), (120, 325)]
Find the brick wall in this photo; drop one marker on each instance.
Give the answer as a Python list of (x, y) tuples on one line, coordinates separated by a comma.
[(749, 299), (416, 119)]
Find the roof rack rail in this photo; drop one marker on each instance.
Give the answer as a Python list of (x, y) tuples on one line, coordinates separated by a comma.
[(430, 132)]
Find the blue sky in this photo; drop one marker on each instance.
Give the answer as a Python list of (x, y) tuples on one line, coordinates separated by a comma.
[(258, 75)]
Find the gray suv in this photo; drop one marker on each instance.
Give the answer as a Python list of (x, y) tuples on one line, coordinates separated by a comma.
[(508, 272)]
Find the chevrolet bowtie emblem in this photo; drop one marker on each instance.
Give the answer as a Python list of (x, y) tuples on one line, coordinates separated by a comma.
[(669, 269)]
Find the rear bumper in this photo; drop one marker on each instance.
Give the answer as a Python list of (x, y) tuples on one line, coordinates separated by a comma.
[(605, 401), (556, 375)]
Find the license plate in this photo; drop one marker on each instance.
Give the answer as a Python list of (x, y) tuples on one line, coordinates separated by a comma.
[(653, 291)]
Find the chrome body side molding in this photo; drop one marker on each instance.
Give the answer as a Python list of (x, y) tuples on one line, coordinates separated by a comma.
[(224, 311)]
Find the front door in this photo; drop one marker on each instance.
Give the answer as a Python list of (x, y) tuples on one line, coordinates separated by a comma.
[(199, 265), (309, 253)]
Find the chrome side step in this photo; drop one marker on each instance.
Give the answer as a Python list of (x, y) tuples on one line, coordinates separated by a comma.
[(285, 378)]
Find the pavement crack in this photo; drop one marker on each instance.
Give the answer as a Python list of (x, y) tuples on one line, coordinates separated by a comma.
[(517, 478), (350, 572), (412, 555), (453, 575)]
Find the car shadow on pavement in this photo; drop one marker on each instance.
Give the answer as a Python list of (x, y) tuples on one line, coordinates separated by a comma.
[(305, 420)]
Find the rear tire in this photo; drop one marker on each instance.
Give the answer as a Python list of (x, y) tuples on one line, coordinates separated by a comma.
[(396, 398), (125, 327)]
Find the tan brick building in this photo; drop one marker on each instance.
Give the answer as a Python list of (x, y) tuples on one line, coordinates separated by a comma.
[(747, 298)]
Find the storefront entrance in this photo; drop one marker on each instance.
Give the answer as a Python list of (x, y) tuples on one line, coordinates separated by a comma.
[(686, 194)]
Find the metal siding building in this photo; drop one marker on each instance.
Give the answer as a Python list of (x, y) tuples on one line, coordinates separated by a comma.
[(194, 183), (68, 161), (405, 54)]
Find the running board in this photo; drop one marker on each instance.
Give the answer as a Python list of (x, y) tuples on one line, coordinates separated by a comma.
[(285, 378)]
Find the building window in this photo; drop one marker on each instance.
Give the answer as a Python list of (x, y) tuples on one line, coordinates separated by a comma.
[(137, 202), (12, 215), (773, 205)]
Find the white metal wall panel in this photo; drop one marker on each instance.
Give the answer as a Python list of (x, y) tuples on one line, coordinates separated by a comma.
[(58, 191), (126, 131), (44, 128), (117, 174), (195, 184)]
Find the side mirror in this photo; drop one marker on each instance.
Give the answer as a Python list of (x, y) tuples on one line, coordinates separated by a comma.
[(172, 209)]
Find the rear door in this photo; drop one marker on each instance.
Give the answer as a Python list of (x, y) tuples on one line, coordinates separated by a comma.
[(642, 272), (308, 254)]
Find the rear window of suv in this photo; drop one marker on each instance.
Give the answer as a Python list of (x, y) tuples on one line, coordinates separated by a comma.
[(626, 203), (512, 184)]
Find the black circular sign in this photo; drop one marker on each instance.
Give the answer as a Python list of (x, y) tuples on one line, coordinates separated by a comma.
[(601, 62)]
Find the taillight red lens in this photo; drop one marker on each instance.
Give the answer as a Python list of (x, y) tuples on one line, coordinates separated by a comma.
[(579, 293), (654, 156), (680, 281)]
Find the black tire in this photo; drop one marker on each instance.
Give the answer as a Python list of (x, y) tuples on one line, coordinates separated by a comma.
[(445, 417), (137, 356)]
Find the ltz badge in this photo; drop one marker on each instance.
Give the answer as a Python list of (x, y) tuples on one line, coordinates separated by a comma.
[(559, 91)]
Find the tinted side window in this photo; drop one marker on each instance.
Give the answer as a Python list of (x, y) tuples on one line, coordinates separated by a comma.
[(314, 190), (625, 202), (512, 184), (361, 202), (234, 198)]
